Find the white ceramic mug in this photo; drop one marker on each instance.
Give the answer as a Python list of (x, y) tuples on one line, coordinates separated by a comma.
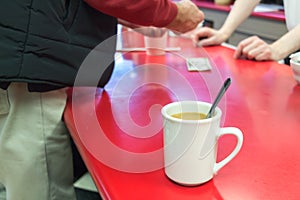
[(295, 64), (190, 146)]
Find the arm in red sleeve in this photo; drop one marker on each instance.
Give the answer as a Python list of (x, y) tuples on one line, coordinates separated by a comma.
[(143, 12)]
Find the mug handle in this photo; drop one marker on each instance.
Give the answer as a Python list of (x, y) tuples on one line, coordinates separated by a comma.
[(239, 135)]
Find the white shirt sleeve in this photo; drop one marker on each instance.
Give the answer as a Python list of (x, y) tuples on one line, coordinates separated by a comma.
[(292, 13)]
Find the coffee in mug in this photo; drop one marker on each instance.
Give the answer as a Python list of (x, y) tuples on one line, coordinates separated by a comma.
[(190, 116), (190, 143)]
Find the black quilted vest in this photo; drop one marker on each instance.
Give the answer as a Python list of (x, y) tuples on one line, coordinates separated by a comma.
[(44, 42)]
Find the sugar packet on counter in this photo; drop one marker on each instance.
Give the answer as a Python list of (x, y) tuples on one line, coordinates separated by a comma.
[(198, 64)]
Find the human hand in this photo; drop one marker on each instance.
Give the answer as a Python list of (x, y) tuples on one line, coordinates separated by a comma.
[(207, 37), (255, 48), (188, 17)]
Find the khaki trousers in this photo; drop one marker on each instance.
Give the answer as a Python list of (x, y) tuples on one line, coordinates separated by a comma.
[(35, 153)]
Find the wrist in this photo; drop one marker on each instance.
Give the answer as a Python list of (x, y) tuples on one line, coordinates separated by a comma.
[(278, 52), (225, 33)]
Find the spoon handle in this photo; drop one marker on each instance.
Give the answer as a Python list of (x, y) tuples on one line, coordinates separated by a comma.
[(219, 96)]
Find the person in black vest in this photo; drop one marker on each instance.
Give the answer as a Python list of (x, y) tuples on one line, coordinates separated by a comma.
[(43, 44)]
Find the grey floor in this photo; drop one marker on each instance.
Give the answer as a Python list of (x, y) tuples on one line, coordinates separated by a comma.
[(84, 187)]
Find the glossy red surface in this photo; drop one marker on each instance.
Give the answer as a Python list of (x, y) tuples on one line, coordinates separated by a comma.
[(111, 127)]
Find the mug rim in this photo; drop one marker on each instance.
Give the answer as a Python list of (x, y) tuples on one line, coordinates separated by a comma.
[(164, 113), (294, 62)]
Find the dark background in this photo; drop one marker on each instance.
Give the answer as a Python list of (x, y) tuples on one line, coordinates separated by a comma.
[(280, 2)]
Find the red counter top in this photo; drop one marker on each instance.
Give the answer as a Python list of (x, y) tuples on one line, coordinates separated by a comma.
[(263, 101)]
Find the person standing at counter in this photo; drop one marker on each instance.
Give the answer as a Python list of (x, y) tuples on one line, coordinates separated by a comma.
[(254, 47), (43, 44)]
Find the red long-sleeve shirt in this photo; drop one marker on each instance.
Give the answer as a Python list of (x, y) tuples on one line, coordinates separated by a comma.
[(143, 12)]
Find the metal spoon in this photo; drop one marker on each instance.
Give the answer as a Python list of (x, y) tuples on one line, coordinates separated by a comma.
[(219, 96)]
